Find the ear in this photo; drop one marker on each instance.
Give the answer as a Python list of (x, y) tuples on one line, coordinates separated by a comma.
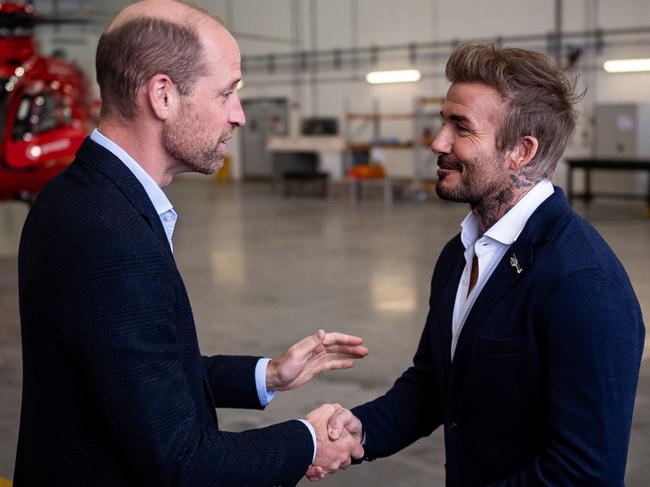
[(162, 96), (523, 152)]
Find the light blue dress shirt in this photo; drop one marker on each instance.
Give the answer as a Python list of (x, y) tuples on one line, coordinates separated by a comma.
[(168, 219), (160, 202)]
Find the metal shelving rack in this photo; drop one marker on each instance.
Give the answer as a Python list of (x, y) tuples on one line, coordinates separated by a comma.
[(427, 123)]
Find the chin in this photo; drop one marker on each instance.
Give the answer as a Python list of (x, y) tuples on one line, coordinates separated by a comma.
[(211, 169), (443, 189), (450, 193), (206, 165)]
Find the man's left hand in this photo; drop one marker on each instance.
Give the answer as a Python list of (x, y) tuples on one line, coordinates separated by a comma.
[(311, 356)]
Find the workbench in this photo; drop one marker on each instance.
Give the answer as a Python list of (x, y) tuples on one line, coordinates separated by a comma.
[(589, 165)]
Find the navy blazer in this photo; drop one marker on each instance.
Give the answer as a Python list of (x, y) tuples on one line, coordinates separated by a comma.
[(115, 390), (542, 385)]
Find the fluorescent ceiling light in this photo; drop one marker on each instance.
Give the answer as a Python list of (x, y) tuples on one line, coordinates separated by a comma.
[(240, 85), (627, 65), (395, 76)]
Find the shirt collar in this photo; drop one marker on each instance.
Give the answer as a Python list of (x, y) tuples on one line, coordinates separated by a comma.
[(508, 228), (155, 194), (469, 230)]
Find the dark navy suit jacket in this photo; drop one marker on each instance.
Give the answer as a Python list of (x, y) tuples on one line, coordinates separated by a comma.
[(542, 385), (115, 390)]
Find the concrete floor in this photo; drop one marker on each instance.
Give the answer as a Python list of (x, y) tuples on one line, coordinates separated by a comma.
[(263, 271)]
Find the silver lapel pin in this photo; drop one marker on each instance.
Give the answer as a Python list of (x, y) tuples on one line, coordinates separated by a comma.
[(515, 263)]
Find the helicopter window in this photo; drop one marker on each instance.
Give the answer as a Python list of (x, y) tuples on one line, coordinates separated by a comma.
[(66, 111), (23, 109), (45, 113), (23, 123), (40, 112)]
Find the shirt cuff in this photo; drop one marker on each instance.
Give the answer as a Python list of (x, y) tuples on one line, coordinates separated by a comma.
[(260, 382), (313, 436)]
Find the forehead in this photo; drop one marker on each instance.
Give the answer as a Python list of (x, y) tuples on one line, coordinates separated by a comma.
[(476, 102), (221, 52)]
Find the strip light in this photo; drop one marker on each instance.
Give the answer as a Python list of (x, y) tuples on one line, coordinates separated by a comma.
[(627, 65), (394, 76)]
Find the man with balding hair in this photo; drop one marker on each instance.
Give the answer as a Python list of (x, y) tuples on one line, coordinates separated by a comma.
[(115, 390)]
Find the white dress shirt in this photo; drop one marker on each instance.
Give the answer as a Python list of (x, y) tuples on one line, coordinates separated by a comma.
[(490, 249)]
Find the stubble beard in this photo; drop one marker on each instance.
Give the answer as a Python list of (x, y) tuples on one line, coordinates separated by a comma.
[(186, 140), (474, 187)]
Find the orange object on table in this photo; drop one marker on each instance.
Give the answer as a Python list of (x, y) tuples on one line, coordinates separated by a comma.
[(367, 171)]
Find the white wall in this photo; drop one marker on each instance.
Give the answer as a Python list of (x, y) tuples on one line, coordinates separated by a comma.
[(380, 22), (363, 23)]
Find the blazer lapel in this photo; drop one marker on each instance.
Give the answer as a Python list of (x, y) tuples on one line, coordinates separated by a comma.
[(515, 263), (102, 160), (504, 278), (447, 301)]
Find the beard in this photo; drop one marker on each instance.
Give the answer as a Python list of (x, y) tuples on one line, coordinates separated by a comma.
[(188, 141), (477, 179)]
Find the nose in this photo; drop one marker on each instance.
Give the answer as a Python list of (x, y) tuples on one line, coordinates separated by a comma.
[(237, 116), (443, 141)]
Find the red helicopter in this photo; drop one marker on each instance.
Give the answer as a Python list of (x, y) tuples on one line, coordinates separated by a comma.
[(46, 108)]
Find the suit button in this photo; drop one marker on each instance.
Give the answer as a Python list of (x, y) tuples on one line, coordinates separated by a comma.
[(454, 425)]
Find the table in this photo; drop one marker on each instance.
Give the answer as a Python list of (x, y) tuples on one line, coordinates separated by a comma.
[(391, 186), (604, 165)]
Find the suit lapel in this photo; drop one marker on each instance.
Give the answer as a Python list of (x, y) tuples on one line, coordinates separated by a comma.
[(448, 299), (539, 228), (441, 307), (504, 278), (102, 160)]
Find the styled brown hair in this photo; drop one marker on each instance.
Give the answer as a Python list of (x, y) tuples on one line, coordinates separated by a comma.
[(129, 55), (540, 99)]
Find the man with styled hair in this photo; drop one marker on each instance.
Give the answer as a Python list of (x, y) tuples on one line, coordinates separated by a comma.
[(530, 355), (115, 390)]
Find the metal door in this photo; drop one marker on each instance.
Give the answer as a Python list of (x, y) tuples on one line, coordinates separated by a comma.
[(264, 117)]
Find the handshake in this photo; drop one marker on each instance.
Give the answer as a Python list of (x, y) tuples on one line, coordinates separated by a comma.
[(339, 435)]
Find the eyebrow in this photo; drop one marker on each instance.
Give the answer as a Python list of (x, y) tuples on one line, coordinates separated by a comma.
[(230, 86), (456, 118)]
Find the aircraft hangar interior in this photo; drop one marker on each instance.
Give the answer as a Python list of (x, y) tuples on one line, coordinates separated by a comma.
[(346, 159)]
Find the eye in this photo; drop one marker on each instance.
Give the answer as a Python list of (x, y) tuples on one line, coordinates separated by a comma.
[(462, 130), (227, 94)]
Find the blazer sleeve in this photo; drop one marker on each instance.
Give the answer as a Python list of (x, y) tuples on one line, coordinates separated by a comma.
[(411, 409), (408, 411), (120, 326), (592, 337), (232, 381)]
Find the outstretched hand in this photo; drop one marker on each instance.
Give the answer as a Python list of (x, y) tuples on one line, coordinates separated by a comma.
[(311, 356)]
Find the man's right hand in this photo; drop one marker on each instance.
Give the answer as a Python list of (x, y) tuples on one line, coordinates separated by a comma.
[(339, 436)]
